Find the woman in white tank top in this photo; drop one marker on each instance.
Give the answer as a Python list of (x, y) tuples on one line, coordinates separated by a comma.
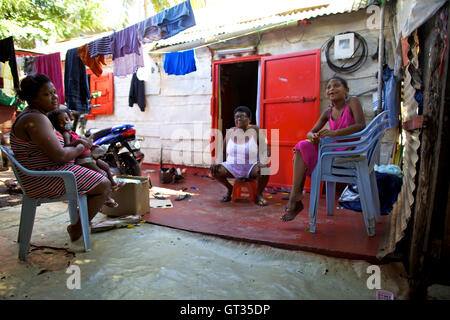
[(242, 155)]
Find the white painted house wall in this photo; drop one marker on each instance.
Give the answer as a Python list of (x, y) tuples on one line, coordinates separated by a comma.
[(177, 117)]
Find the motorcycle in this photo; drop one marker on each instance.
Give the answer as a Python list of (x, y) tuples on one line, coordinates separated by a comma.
[(119, 148)]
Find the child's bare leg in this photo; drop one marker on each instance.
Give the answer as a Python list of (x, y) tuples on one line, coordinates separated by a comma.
[(104, 166), (110, 202)]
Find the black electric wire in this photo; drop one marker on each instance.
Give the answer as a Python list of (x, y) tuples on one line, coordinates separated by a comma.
[(345, 68)]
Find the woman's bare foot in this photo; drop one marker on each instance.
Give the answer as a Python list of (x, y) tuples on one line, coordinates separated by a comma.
[(110, 202), (293, 209), (75, 232)]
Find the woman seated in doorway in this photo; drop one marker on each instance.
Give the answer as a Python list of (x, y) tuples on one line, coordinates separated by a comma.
[(345, 116), (241, 154), (38, 146)]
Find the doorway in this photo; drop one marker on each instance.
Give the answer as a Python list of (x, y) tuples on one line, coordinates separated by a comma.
[(238, 84), (283, 93)]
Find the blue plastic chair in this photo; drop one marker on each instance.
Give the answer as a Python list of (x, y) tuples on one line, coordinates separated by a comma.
[(354, 166), (29, 204)]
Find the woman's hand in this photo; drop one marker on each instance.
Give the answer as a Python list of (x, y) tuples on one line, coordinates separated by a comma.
[(87, 143), (327, 133), (313, 137)]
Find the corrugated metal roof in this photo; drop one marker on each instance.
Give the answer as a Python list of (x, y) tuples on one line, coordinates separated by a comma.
[(235, 17)]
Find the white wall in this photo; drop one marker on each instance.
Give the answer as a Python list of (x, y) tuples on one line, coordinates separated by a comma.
[(180, 105)]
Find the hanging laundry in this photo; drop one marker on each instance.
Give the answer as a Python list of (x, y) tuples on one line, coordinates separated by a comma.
[(167, 23), (29, 66), (177, 18), (8, 81), (180, 63), (128, 64), (7, 53), (390, 97), (100, 46), (76, 82), (95, 64), (50, 65), (125, 44), (137, 93)]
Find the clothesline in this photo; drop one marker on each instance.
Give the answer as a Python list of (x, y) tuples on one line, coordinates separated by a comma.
[(231, 38)]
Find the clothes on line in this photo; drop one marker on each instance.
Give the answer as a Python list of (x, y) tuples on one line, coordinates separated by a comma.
[(100, 46), (95, 63), (126, 45), (29, 66), (7, 80), (180, 63), (50, 65), (137, 93), (76, 83), (167, 23), (8, 54)]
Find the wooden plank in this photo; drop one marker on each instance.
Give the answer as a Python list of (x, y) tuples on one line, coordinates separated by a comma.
[(430, 157)]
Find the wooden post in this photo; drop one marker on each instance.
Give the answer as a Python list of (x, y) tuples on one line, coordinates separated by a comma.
[(380, 60), (433, 156)]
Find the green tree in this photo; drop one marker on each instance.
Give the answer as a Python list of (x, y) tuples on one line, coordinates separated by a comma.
[(39, 20)]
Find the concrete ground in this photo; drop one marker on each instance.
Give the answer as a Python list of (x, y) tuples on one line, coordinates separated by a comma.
[(153, 262)]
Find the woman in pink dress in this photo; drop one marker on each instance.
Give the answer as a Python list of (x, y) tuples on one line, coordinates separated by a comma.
[(345, 116)]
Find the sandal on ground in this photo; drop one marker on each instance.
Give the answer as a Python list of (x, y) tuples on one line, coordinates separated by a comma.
[(182, 197), (226, 198), (261, 202)]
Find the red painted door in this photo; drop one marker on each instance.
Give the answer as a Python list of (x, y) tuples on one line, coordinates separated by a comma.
[(105, 84), (290, 91)]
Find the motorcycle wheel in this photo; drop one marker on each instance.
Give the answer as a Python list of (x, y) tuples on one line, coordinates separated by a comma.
[(129, 165)]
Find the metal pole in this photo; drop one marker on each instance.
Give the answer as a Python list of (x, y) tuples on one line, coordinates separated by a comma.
[(380, 60)]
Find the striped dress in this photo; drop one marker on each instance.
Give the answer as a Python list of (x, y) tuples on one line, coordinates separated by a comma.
[(31, 157)]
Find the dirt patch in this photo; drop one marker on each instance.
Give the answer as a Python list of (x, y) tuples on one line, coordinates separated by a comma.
[(50, 258), (8, 198)]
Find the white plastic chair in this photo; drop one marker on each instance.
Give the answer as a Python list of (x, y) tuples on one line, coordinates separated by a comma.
[(354, 166), (29, 204)]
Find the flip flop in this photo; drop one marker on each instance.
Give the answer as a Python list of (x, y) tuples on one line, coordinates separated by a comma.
[(261, 202), (182, 197), (159, 197), (270, 190), (226, 198)]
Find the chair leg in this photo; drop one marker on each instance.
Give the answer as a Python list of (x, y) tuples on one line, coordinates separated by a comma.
[(314, 200), (82, 202), (375, 196), (27, 216), (331, 197), (73, 211), (368, 210)]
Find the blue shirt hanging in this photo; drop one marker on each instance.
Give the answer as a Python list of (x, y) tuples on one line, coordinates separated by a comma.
[(180, 63)]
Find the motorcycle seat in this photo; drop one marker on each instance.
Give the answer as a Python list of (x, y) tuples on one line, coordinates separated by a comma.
[(97, 134)]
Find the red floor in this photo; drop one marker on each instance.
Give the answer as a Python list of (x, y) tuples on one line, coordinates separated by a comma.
[(342, 235)]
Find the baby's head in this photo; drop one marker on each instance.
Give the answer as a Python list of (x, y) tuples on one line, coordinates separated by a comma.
[(60, 120)]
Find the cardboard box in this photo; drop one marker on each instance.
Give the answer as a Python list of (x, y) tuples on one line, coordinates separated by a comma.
[(133, 197)]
